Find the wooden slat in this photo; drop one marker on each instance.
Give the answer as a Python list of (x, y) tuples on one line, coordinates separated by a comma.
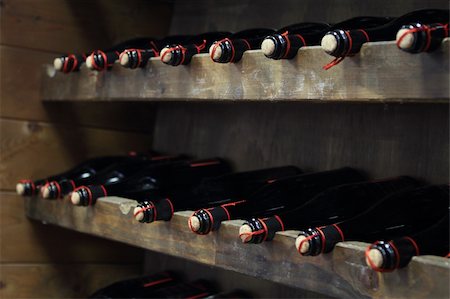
[(342, 273), (26, 241), (34, 150), (20, 98), (195, 16), (60, 280), (78, 26), (384, 140), (380, 73), (225, 280)]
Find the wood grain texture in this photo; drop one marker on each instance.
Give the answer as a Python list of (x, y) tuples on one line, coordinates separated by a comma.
[(384, 140), (380, 73), (342, 273), (60, 280), (35, 150), (27, 241), (79, 26), (225, 280), (195, 16), (20, 99)]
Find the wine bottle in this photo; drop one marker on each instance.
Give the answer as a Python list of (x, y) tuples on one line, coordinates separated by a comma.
[(140, 287), (385, 256), (196, 289), (33, 187), (182, 53), (399, 214), (273, 197), (231, 49), (69, 63), (209, 192), (101, 60), (288, 40), (138, 58), (341, 43), (417, 37), (333, 205), (232, 294), (152, 180), (93, 169)]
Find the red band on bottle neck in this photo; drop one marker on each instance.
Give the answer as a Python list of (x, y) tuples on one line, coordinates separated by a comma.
[(413, 242)]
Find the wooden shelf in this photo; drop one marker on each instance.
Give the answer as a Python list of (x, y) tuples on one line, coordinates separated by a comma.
[(342, 273), (380, 73)]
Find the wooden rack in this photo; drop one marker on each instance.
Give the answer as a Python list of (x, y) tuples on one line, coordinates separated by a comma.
[(379, 73), (342, 273)]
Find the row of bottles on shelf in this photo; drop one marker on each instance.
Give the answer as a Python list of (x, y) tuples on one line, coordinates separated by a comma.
[(401, 216), (164, 285), (417, 31)]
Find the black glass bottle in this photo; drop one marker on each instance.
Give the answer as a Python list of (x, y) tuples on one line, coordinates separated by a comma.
[(231, 49), (341, 43), (181, 54), (213, 191), (138, 57), (288, 40), (399, 214), (139, 287), (152, 180), (274, 197), (333, 205), (94, 171), (385, 256), (418, 37)]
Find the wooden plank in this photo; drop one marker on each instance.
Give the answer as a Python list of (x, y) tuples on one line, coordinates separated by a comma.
[(342, 273), (34, 149), (195, 16), (20, 98), (225, 280), (78, 26), (258, 78), (25, 241), (60, 280), (384, 140)]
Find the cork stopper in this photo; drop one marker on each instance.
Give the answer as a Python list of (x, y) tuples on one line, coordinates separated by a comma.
[(58, 64), (75, 198), (138, 214), (90, 62), (124, 59), (407, 41), (166, 57), (45, 192), (245, 233), (20, 189), (329, 43), (375, 256), (194, 223), (268, 46), (217, 52), (305, 245)]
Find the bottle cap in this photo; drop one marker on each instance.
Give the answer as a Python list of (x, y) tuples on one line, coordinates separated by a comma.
[(405, 38), (125, 59), (20, 188), (268, 46), (90, 62), (75, 198), (58, 63), (245, 232), (215, 51), (376, 258), (329, 43), (138, 214), (166, 55), (302, 240), (194, 223)]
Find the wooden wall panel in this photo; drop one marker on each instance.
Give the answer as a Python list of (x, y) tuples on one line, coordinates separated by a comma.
[(385, 140), (28, 241), (195, 16), (34, 149), (80, 25), (59, 280), (20, 99)]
